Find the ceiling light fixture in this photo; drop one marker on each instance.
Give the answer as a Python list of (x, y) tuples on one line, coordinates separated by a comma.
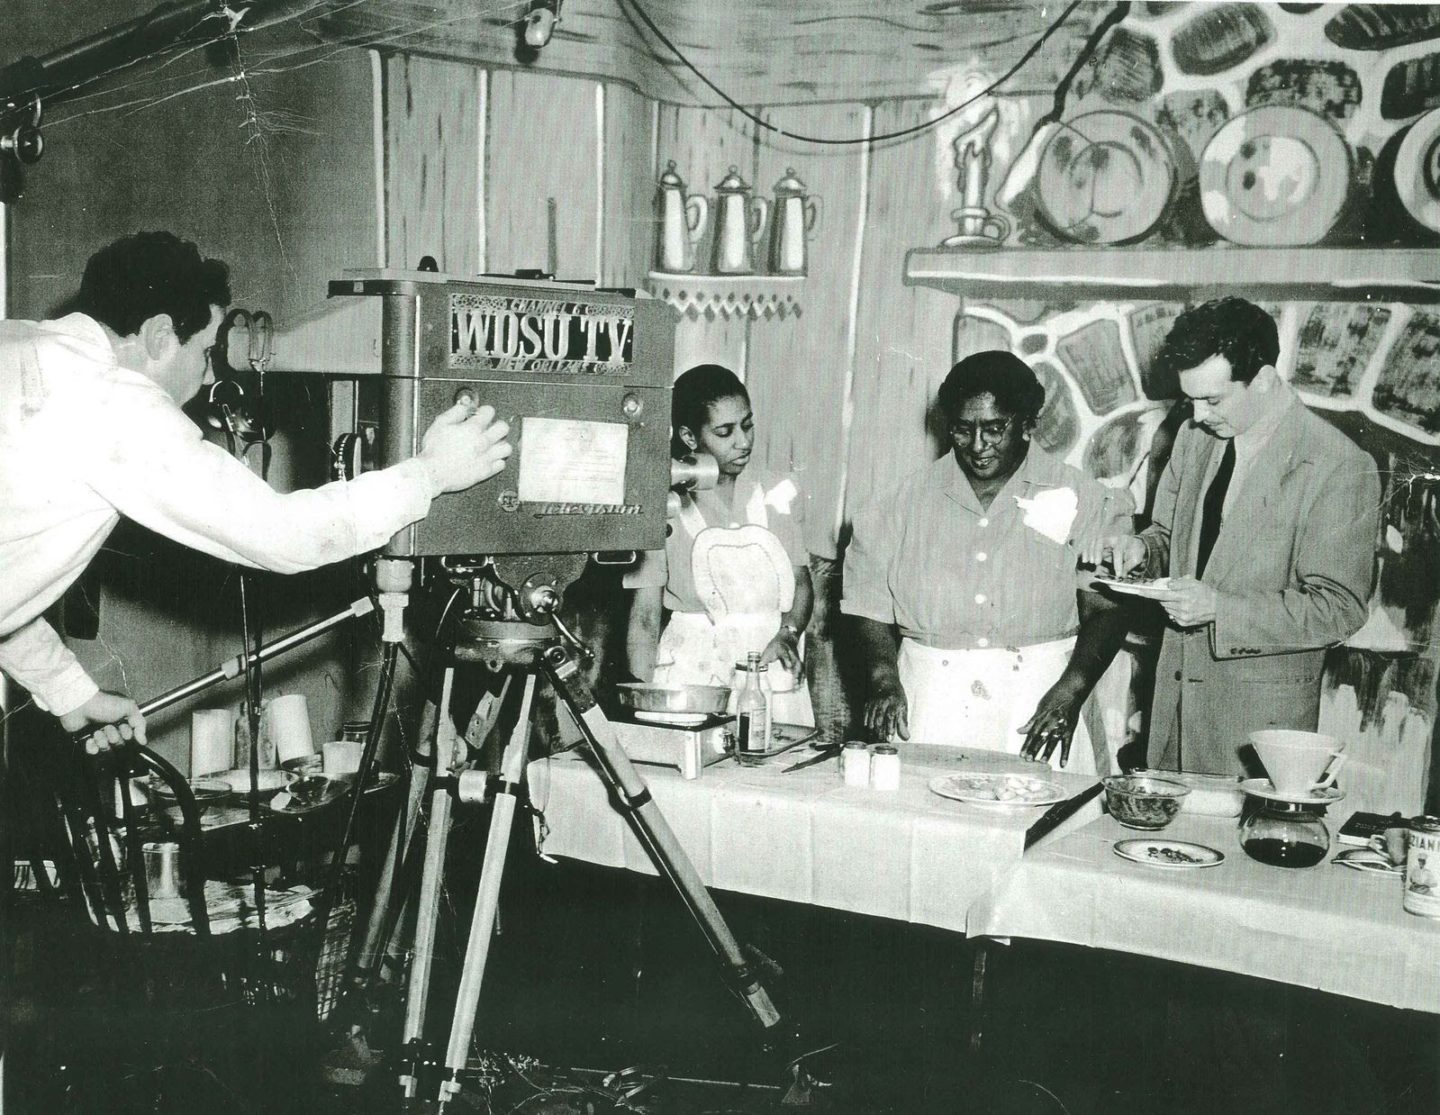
[(538, 23)]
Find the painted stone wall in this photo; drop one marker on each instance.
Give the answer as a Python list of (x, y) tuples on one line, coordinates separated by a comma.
[(1184, 71)]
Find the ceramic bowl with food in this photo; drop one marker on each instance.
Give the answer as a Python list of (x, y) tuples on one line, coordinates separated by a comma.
[(1142, 801)]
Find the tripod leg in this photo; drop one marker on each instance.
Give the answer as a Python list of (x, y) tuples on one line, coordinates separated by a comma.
[(654, 832), (384, 915), (482, 926), (376, 934), (428, 908)]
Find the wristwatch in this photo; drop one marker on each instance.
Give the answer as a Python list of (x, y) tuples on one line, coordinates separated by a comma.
[(790, 627)]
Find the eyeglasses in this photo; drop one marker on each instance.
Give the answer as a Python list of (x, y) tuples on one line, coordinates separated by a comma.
[(991, 431)]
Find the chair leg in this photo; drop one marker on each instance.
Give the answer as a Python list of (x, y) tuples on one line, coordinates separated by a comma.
[(978, 1004)]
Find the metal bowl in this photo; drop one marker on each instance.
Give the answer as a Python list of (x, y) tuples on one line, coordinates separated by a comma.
[(706, 700), (206, 791)]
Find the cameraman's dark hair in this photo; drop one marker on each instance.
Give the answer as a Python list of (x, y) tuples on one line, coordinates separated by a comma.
[(695, 390), (994, 372), (137, 277), (1231, 327)]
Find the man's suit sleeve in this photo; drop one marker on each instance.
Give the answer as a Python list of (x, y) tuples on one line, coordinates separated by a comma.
[(1334, 567)]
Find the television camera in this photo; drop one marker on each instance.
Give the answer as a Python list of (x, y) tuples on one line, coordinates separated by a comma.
[(582, 376)]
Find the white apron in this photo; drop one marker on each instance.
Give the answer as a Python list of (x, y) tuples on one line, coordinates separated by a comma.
[(746, 582), (980, 698)]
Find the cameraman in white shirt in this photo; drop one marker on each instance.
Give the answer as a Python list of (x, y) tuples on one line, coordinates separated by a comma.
[(91, 429)]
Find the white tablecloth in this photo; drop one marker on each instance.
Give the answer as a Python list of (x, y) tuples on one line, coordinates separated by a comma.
[(1324, 927), (909, 855)]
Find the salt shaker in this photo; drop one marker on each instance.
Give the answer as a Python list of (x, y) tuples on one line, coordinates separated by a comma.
[(884, 767), (855, 764)]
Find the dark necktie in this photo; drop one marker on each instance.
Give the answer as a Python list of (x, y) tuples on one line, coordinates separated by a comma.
[(1213, 509)]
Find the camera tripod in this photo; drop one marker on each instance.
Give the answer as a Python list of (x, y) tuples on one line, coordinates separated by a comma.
[(523, 651)]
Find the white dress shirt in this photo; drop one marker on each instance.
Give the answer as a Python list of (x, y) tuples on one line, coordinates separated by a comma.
[(84, 441)]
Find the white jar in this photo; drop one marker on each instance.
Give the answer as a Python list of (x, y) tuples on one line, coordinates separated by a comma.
[(884, 767), (855, 764)]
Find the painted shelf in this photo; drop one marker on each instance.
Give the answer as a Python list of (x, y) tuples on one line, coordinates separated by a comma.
[(717, 296), (1321, 274)]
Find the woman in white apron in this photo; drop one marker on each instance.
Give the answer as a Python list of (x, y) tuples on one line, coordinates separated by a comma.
[(734, 575), (964, 588)]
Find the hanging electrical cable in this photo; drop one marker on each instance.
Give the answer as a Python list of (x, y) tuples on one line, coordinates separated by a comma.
[(1092, 43), (993, 87)]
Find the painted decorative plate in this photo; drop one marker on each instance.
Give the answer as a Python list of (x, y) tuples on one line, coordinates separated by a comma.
[(1105, 178), (1173, 855), (1275, 175), (1417, 170)]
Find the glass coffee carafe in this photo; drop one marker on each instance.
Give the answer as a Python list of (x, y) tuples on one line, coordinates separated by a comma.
[(1285, 834)]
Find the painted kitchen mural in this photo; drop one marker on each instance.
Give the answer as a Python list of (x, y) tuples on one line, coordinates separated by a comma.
[(1290, 153)]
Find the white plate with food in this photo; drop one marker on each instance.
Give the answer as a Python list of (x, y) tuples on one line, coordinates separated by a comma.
[(1172, 855), (998, 790), (1151, 589)]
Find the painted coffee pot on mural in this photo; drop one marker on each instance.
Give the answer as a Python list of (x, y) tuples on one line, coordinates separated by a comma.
[(739, 223), (794, 217), (680, 220)]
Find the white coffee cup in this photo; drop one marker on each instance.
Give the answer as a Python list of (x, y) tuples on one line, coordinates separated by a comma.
[(342, 758), (1298, 762), (780, 677)]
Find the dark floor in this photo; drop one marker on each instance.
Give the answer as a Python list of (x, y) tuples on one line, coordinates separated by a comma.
[(598, 971)]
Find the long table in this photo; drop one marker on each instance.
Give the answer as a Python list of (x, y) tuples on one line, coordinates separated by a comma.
[(914, 856), (1325, 927), (909, 855)]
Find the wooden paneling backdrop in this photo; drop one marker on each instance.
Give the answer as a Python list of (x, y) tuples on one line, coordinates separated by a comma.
[(841, 390)]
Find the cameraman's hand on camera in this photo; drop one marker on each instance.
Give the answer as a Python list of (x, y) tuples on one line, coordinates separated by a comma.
[(120, 716), (464, 446)]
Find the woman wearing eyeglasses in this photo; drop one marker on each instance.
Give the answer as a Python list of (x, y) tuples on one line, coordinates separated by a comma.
[(963, 582)]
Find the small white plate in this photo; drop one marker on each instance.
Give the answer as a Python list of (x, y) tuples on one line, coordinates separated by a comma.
[(998, 791), (1148, 589), (1172, 855), (267, 781), (1368, 860), (284, 803), (1264, 788)]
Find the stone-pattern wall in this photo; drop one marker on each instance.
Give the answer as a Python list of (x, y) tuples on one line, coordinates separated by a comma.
[(1186, 69)]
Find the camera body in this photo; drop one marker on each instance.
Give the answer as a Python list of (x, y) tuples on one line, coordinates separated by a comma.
[(582, 376)]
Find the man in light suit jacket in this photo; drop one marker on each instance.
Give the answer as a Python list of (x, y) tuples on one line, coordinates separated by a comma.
[(1265, 523)]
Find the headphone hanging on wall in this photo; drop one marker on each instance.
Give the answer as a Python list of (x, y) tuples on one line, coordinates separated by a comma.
[(235, 403)]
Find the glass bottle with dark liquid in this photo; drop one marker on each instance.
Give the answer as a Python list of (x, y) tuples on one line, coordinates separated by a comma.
[(1286, 834), (752, 711)]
